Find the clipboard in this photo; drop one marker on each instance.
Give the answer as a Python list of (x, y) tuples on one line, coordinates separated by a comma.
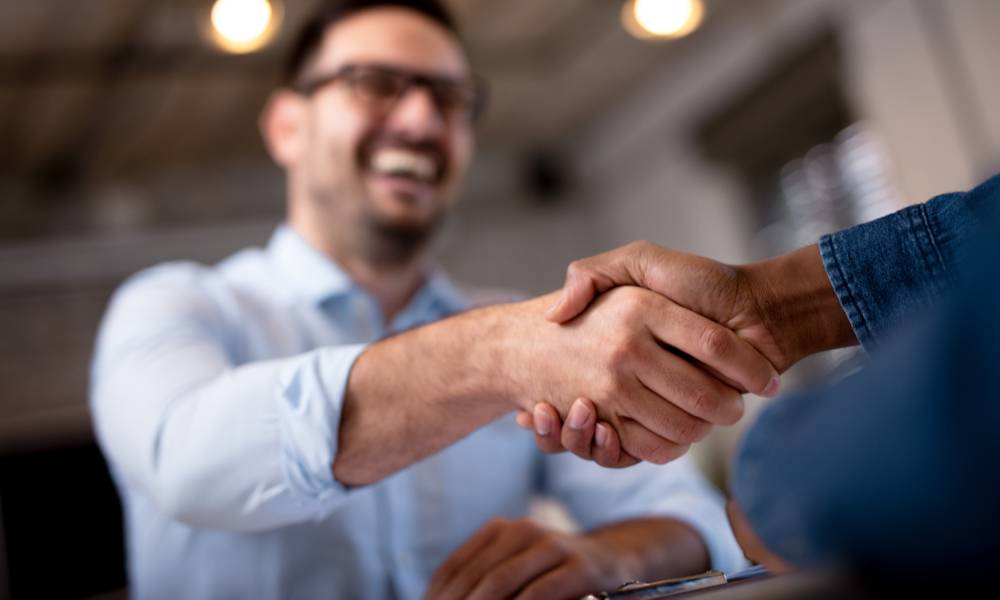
[(637, 590)]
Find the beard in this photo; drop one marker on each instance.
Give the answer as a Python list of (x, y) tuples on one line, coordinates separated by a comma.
[(385, 242), (351, 215), (392, 244)]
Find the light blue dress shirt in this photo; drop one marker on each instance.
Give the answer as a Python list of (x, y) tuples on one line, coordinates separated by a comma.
[(216, 396)]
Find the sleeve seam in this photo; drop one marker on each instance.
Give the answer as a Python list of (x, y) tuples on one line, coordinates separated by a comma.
[(849, 300), (940, 266)]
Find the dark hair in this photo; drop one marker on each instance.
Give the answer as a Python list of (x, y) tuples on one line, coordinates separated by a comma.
[(333, 11)]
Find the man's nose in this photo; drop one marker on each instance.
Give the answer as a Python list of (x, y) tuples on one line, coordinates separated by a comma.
[(417, 114)]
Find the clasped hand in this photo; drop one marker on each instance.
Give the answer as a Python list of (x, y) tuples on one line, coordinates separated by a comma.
[(657, 362)]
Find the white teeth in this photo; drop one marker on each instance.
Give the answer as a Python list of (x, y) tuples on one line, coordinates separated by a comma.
[(394, 161)]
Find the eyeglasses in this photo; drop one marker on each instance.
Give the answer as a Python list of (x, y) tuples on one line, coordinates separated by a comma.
[(380, 87)]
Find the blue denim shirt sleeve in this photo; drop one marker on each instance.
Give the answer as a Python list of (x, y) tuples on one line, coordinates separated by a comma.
[(889, 269), (894, 469)]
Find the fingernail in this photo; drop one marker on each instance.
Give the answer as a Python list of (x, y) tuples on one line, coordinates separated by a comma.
[(772, 387), (601, 435), (552, 309), (543, 425), (578, 415)]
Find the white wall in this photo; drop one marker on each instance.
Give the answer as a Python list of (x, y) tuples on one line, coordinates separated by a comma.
[(900, 85)]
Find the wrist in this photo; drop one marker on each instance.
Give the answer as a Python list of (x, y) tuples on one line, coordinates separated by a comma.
[(649, 549), (506, 341), (480, 359), (612, 562), (798, 305)]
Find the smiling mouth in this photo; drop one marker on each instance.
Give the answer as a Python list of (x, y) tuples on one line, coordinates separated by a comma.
[(406, 164)]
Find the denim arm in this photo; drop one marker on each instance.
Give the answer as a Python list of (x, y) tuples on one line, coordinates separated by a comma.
[(893, 470), (888, 269)]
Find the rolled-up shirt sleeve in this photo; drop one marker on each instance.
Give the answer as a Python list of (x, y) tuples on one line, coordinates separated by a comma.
[(596, 496), (214, 441), (889, 269)]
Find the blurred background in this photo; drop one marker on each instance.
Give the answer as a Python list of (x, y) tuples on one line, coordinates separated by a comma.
[(128, 137)]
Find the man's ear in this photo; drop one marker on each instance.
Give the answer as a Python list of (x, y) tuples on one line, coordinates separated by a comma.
[(283, 126)]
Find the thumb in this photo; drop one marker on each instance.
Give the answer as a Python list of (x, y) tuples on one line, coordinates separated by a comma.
[(589, 277), (577, 293)]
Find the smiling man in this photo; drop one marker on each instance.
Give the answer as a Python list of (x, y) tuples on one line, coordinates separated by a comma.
[(331, 416)]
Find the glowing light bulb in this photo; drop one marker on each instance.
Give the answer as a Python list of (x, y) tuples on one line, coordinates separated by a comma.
[(662, 19), (242, 25)]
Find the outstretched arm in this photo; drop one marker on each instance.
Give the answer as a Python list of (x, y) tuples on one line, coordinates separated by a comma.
[(215, 440), (411, 395)]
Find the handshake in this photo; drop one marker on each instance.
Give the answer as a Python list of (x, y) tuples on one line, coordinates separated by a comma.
[(645, 349), (635, 359)]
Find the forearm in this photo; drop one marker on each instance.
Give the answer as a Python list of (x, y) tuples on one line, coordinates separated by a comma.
[(652, 548), (857, 283), (417, 393), (410, 396), (798, 304)]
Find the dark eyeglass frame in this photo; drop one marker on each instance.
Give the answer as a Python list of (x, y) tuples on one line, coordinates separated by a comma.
[(439, 87)]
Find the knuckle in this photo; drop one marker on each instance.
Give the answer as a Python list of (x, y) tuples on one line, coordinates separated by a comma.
[(620, 353), (690, 431), (495, 582), (704, 403), (524, 526), (552, 545), (644, 447), (634, 299), (656, 452), (616, 389), (576, 268), (666, 452), (715, 341), (640, 245), (606, 460)]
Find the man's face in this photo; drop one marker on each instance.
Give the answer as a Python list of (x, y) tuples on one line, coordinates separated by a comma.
[(373, 170)]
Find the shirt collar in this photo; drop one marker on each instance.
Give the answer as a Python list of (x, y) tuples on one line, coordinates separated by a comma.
[(319, 279), (442, 292)]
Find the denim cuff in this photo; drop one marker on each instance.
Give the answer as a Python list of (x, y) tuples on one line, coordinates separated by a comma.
[(886, 270)]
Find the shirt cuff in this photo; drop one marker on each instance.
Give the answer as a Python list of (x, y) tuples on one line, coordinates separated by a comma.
[(310, 400), (888, 269)]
